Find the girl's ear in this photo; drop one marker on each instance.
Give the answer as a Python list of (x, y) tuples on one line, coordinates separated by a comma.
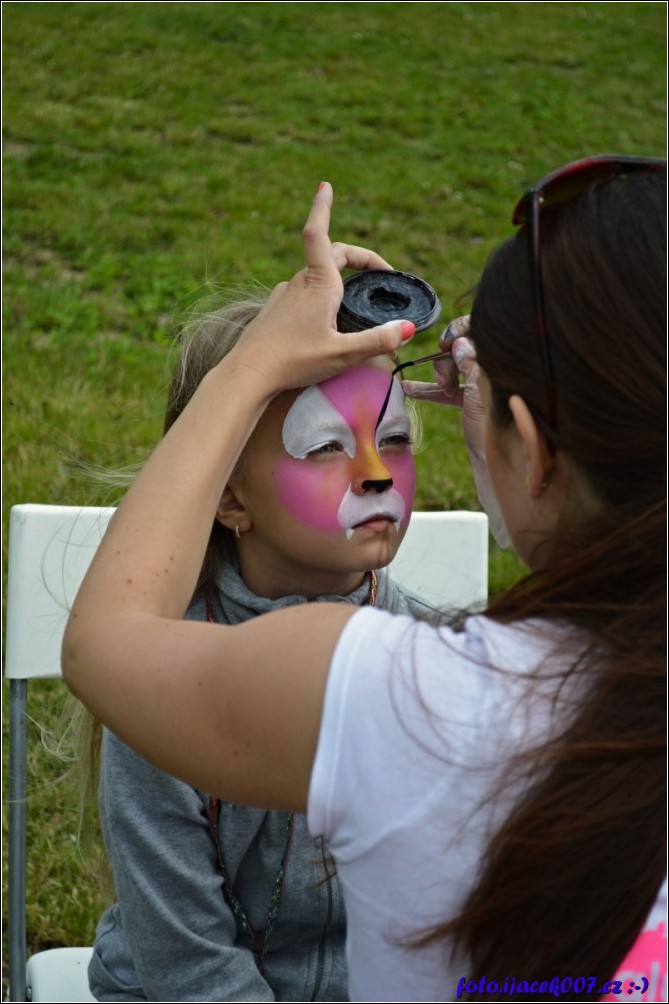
[(539, 461), (232, 513)]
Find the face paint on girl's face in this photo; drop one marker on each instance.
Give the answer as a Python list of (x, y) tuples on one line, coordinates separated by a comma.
[(341, 472)]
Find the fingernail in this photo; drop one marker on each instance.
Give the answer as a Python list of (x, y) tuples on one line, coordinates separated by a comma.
[(322, 186), (446, 339), (408, 330), (457, 328), (460, 325)]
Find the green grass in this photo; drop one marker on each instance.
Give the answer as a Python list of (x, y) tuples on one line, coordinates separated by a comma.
[(154, 150)]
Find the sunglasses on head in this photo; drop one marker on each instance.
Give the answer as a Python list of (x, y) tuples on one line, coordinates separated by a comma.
[(560, 186)]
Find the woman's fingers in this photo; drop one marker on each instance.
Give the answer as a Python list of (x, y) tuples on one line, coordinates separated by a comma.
[(356, 347), (457, 328), (294, 340), (315, 237), (321, 252), (447, 388), (464, 358), (432, 392), (358, 258)]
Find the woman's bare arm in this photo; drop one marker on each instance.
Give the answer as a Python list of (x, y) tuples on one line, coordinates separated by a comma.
[(232, 710), (235, 710)]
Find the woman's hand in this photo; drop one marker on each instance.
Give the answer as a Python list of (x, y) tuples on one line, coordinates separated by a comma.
[(293, 342), (449, 390)]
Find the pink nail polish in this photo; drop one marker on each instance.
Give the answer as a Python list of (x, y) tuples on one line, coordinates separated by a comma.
[(408, 329)]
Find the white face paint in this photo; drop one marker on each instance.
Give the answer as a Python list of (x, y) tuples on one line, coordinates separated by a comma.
[(329, 432), (357, 509), (312, 423)]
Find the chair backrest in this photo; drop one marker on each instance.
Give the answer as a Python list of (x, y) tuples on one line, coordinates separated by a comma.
[(50, 548), (444, 558)]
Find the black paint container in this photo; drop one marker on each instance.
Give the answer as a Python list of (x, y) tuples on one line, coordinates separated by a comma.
[(376, 297)]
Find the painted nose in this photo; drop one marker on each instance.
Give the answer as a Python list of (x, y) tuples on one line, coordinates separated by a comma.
[(360, 487), (369, 473)]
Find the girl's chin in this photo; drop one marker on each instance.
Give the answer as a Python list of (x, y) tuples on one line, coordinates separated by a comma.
[(375, 548)]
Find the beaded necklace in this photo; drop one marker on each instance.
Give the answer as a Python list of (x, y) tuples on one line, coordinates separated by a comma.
[(258, 941)]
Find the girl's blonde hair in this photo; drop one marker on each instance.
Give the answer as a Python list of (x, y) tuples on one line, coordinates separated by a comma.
[(205, 339)]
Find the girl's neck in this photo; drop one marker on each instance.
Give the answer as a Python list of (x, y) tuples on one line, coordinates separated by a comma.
[(275, 582)]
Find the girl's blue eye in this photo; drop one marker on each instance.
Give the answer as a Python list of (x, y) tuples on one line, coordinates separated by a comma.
[(396, 439), (325, 450)]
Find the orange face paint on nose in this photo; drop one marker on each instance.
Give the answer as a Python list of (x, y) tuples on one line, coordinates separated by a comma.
[(368, 471)]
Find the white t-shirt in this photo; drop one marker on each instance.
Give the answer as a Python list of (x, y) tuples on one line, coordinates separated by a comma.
[(418, 727)]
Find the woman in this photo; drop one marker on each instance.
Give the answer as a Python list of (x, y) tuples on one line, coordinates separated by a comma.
[(494, 798)]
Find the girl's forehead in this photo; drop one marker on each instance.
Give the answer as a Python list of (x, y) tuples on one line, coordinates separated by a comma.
[(356, 391)]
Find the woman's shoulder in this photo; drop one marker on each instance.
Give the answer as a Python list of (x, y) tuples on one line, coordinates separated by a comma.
[(520, 645), (478, 676), (401, 614)]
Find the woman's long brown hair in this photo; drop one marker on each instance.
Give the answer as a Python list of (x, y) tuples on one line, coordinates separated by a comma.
[(567, 883)]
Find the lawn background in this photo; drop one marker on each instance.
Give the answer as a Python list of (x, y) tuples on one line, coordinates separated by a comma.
[(156, 152)]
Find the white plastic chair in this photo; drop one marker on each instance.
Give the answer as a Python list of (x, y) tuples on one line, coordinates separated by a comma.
[(444, 558), (50, 548)]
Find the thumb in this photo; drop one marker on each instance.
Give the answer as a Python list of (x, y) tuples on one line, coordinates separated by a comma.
[(382, 340)]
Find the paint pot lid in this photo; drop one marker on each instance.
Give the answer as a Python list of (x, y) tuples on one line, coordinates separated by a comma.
[(377, 296)]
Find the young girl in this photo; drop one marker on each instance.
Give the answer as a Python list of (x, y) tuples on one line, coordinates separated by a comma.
[(216, 901)]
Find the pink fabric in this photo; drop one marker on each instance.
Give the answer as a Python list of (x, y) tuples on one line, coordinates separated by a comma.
[(647, 959)]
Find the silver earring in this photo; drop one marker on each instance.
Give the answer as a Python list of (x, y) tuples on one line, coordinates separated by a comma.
[(237, 533)]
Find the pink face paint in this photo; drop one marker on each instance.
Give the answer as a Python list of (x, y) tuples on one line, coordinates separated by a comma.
[(330, 438)]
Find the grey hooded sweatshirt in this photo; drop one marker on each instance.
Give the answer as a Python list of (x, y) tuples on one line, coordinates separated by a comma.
[(176, 933)]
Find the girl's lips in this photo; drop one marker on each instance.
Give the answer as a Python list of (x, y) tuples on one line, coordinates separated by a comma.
[(377, 523), (376, 517)]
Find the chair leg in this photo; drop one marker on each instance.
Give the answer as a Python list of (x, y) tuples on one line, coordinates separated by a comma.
[(17, 838)]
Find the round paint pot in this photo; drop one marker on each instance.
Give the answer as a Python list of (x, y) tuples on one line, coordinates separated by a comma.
[(377, 296)]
